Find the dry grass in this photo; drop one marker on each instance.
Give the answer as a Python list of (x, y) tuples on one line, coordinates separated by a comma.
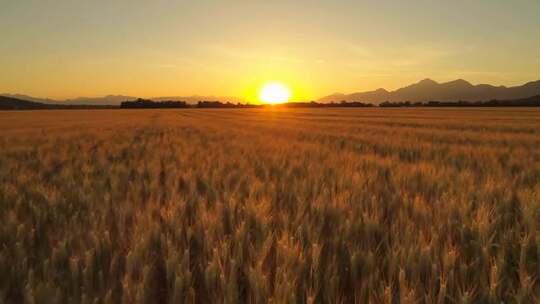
[(269, 205)]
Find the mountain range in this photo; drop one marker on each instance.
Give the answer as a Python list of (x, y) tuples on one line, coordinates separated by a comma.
[(10, 103), (115, 100), (425, 90), (429, 90)]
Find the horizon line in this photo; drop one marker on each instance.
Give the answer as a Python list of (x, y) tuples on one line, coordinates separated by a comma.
[(242, 99)]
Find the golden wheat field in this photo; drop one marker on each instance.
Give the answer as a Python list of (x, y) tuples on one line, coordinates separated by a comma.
[(270, 205)]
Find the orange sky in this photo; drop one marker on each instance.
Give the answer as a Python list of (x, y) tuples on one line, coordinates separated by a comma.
[(64, 49)]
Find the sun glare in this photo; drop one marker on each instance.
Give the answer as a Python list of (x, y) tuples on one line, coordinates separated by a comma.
[(274, 93)]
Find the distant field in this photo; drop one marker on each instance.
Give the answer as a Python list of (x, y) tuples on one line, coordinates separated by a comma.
[(293, 206)]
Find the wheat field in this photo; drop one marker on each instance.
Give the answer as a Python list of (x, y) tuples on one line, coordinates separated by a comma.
[(270, 205)]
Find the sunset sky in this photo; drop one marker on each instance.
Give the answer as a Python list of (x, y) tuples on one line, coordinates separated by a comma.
[(63, 49)]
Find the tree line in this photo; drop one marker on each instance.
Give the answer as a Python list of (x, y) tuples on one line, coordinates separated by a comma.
[(522, 102), (7, 103), (146, 104)]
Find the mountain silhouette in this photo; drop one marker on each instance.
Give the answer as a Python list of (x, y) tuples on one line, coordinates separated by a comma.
[(97, 101), (422, 91), (11, 103), (115, 100), (30, 98), (428, 90), (109, 100)]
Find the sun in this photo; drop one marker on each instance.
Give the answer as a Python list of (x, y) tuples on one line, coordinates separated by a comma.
[(274, 93)]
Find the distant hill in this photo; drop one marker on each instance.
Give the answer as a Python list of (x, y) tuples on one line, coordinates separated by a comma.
[(427, 90), (31, 98), (116, 100), (109, 100), (10, 103), (422, 91)]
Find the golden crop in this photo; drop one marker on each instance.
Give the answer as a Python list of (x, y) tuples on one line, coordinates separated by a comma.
[(270, 205)]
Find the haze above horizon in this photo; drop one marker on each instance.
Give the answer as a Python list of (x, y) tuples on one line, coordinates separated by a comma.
[(65, 49)]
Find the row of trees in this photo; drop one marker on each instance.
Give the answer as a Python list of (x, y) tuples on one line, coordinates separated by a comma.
[(7, 103), (523, 102), (145, 104), (148, 104)]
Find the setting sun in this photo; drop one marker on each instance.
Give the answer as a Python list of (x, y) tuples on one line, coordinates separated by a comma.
[(275, 93)]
